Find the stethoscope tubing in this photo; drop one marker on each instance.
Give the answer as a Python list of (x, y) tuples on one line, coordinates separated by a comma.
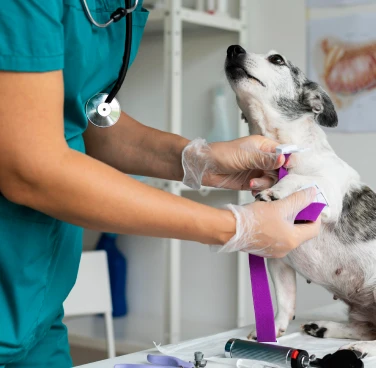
[(105, 113), (128, 10), (126, 56)]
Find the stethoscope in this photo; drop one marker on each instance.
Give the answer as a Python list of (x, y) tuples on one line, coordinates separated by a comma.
[(103, 110)]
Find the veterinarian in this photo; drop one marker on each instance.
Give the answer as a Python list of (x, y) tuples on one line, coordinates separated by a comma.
[(59, 174)]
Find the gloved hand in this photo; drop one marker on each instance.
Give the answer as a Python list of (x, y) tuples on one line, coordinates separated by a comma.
[(267, 229), (247, 163)]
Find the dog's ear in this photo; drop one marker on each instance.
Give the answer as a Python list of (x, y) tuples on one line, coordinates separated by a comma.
[(317, 100)]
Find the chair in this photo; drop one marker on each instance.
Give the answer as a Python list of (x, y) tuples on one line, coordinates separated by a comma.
[(91, 294)]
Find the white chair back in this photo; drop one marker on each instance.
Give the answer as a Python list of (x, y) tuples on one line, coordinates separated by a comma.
[(92, 293)]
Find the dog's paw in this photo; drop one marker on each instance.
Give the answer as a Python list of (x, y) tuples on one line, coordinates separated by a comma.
[(280, 330), (315, 329), (252, 335), (365, 348), (268, 195)]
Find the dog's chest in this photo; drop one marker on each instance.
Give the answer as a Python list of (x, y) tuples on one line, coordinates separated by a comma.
[(336, 267)]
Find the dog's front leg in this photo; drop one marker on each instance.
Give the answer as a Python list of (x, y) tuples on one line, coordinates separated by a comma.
[(284, 280), (286, 186)]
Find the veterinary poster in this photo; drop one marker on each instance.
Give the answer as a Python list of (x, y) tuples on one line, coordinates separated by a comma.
[(342, 58), (331, 3)]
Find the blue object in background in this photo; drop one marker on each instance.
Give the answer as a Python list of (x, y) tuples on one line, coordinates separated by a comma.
[(142, 179), (117, 265)]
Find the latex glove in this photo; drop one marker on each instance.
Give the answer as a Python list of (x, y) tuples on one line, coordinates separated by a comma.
[(267, 229), (242, 164)]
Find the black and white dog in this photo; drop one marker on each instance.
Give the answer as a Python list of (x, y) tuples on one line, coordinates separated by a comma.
[(279, 102)]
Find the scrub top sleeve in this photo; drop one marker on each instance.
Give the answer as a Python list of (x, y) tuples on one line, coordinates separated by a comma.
[(31, 35)]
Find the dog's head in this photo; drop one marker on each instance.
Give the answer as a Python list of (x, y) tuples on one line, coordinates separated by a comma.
[(269, 85)]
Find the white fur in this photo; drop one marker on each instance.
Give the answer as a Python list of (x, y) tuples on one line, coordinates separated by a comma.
[(318, 259)]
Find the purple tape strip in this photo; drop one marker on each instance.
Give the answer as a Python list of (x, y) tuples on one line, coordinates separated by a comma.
[(166, 360), (262, 300), (282, 172), (158, 361), (310, 213)]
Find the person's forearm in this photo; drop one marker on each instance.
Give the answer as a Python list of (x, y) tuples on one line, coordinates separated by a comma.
[(83, 191), (134, 148)]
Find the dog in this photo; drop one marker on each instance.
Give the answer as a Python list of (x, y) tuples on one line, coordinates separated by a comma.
[(279, 102)]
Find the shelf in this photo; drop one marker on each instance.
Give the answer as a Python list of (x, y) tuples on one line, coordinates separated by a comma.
[(192, 20), (208, 20), (163, 184)]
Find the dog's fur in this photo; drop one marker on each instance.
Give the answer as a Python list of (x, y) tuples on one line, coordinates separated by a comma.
[(280, 103)]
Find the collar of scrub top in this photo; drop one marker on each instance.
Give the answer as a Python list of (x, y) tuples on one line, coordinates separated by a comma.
[(159, 360), (262, 301)]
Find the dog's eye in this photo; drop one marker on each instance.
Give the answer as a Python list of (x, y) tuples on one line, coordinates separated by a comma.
[(276, 59)]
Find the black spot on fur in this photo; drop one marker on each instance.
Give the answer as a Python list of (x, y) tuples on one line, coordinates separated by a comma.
[(296, 74), (314, 330), (258, 197), (321, 332), (311, 99), (357, 222)]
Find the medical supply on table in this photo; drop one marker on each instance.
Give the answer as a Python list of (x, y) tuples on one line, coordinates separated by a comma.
[(103, 110), (158, 361), (213, 346), (283, 356), (117, 267), (199, 360), (263, 305)]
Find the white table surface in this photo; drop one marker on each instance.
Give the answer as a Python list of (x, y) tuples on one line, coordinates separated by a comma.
[(293, 338)]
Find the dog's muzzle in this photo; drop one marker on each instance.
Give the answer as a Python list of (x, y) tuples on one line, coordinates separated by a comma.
[(234, 51), (234, 64)]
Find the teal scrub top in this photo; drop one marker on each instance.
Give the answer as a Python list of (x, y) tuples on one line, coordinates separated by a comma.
[(41, 36), (39, 255)]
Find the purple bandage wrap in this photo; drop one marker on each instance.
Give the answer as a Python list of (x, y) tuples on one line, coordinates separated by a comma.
[(262, 301)]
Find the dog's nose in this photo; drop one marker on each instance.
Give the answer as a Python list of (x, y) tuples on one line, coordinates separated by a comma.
[(235, 50)]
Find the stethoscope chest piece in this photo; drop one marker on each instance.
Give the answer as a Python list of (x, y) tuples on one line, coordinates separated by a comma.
[(101, 113)]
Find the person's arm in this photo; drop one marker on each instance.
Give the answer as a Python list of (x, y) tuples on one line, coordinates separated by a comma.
[(39, 170), (134, 148)]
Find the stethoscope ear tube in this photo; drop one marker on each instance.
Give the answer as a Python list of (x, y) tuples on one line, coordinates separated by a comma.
[(126, 56), (104, 110)]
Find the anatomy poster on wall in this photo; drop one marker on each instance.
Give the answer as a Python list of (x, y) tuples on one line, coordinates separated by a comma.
[(342, 58)]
